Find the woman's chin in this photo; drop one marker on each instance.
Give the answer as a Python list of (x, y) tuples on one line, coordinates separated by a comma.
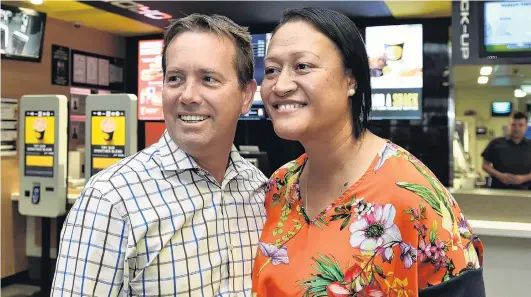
[(288, 132)]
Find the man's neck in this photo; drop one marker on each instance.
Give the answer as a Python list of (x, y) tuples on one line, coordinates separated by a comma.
[(215, 161), (517, 140)]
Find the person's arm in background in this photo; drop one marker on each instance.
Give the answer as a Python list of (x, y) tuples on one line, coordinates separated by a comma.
[(523, 178), (506, 178), (92, 250)]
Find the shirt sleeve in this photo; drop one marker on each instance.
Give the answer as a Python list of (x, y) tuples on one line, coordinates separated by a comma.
[(488, 152), (92, 250)]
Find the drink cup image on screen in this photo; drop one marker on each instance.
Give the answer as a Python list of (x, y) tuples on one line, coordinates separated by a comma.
[(39, 126), (108, 126), (394, 52), (19, 42)]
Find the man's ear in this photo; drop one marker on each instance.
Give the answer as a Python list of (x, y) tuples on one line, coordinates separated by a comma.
[(248, 94)]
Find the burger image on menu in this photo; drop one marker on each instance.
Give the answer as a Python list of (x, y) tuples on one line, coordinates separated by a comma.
[(108, 126), (39, 126)]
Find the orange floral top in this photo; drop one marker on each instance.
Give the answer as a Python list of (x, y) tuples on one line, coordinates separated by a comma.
[(396, 232)]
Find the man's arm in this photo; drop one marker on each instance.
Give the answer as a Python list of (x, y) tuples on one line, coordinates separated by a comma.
[(505, 178), (523, 178), (92, 250)]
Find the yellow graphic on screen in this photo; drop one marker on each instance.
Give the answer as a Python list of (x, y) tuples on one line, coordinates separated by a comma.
[(108, 130), (40, 130)]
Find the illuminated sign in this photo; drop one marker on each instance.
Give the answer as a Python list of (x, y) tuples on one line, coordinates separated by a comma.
[(39, 139), (107, 138), (141, 9)]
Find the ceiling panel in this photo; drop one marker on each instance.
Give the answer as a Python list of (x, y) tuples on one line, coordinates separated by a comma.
[(466, 76)]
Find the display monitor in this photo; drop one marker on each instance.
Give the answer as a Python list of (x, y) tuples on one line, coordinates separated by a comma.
[(22, 32), (506, 29), (501, 108), (150, 80), (396, 70)]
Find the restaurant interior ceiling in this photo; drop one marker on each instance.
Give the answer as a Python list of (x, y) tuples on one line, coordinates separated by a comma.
[(466, 76), (128, 18)]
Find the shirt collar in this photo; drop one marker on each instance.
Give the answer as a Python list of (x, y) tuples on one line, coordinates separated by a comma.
[(524, 141), (173, 158)]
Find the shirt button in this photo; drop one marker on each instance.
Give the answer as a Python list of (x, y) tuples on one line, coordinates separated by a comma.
[(231, 247)]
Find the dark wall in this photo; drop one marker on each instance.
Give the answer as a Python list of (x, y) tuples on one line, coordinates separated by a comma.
[(428, 138)]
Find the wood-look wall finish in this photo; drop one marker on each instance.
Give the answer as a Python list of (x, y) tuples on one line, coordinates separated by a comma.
[(26, 78)]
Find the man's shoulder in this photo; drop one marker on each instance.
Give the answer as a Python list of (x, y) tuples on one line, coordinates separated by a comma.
[(133, 169), (252, 172), (498, 141)]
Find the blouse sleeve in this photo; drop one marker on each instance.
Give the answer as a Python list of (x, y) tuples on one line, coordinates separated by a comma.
[(449, 255)]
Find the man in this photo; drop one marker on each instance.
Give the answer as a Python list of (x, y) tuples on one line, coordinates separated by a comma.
[(182, 217), (508, 160)]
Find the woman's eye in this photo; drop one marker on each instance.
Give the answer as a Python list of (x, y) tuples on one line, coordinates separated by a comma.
[(302, 66)]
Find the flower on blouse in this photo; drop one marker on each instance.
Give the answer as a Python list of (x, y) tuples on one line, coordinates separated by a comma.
[(389, 151), (374, 231), (408, 254), (438, 249), (424, 251), (277, 255), (362, 207), (271, 185), (463, 226)]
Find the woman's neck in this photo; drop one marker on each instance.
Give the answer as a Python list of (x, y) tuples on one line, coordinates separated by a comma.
[(327, 155)]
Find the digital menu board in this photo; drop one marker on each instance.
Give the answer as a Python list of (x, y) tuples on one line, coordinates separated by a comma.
[(396, 66), (39, 139), (507, 27), (150, 80), (107, 138)]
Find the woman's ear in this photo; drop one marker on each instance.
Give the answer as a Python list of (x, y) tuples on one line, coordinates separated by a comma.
[(352, 83)]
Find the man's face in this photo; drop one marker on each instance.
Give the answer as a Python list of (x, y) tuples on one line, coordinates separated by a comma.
[(202, 99), (518, 128)]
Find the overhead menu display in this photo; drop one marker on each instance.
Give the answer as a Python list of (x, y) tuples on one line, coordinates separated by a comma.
[(150, 80), (260, 44), (508, 26), (39, 143), (108, 138), (396, 65)]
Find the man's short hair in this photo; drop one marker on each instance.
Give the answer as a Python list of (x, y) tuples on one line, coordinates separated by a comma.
[(519, 116), (223, 27)]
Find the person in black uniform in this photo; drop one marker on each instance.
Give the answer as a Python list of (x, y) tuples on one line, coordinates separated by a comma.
[(508, 160)]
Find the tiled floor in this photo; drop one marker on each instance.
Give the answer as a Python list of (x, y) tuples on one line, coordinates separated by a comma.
[(19, 291)]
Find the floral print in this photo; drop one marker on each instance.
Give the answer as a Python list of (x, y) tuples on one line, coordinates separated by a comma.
[(374, 232), (395, 233)]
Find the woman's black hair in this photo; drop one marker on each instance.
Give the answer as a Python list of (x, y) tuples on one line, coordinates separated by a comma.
[(347, 38)]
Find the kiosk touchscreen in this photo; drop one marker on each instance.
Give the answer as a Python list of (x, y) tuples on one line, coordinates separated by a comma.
[(111, 133), (43, 155)]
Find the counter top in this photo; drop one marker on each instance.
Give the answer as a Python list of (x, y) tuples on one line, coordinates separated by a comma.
[(501, 229), (491, 192), (71, 197)]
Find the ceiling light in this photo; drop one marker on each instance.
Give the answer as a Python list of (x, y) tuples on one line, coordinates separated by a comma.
[(485, 70), (519, 93), (526, 88), (483, 80), (36, 2)]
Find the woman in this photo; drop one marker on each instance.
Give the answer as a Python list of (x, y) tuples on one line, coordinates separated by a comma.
[(355, 215)]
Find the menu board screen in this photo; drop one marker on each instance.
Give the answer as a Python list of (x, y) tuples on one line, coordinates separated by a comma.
[(150, 80), (507, 27), (39, 139), (108, 138), (395, 60)]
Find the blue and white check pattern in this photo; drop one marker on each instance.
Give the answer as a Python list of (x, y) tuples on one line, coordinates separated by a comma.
[(156, 224)]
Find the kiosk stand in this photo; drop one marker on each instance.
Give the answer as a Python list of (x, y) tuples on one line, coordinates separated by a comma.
[(43, 166), (111, 130)]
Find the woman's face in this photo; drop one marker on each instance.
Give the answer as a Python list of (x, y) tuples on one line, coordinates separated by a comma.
[(305, 89)]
